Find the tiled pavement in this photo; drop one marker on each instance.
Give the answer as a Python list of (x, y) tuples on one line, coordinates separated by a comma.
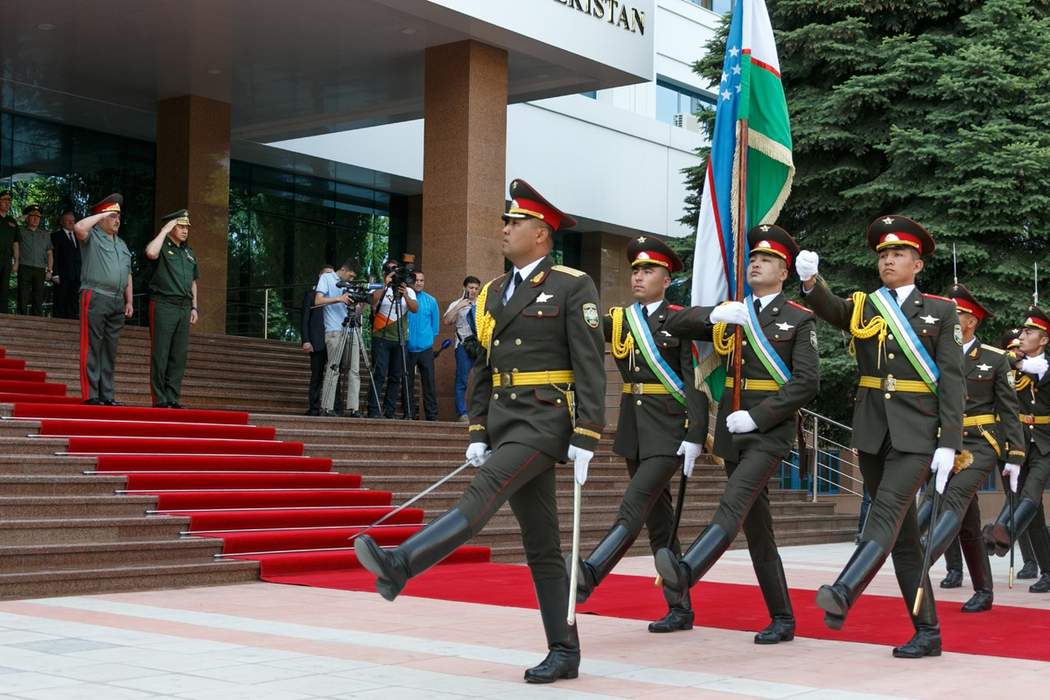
[(266, 642)]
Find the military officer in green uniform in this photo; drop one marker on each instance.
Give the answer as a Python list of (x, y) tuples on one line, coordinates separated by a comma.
[(8, 237), (34, 261), (780, 375), (172, 307), (1029, 481), (991, 429), (105, 298), (538, 398), (663, 418), (907, 415)]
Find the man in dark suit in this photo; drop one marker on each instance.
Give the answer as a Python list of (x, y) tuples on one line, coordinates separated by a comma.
[(311, 329), (66, 275)]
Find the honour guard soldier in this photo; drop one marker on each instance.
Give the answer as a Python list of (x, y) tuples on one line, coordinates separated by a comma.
[(172, 307), (907, 415), (991, 430), (105, 298), (1029, 481), (538, 398), (34, 261), (662, 416), (780, 374)]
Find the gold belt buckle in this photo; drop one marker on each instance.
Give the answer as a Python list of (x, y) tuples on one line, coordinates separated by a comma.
[(638, 388), (889, 383), (506, 379), (1028, 419)]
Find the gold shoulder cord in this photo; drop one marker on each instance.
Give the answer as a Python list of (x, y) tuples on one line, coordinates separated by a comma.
[(722, 341), (483, 320), (1023, 383), (621, 346), (858, 329)]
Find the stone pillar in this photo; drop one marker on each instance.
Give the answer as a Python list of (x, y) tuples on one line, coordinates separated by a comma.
[(193, 171), (464, 176)]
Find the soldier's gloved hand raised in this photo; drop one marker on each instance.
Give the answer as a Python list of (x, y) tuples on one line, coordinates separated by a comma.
[(1014, 472), (806, 265), (477, 453), (1035, 365), (690, 451), (730, 312), (740, 422), (942, 464), (581, 458)]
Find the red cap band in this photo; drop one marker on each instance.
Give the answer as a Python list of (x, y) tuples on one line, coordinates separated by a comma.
[(1032, 322), (651, 257), (538, 210), (966, 306), (897, 238), (772, 248)]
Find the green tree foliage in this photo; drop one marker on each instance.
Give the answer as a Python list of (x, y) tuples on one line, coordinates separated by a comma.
[(937, 110)]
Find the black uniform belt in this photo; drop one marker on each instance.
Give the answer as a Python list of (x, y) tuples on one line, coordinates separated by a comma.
[(558, 376)]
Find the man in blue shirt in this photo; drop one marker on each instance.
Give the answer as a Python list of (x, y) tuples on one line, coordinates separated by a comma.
[(423, 326)]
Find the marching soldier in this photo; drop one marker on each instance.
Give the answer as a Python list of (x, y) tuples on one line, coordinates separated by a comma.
[(538, 398), (780, 374), (991, 430), (662, 416), (1030, 481), (172, 307), (907, 415), (105, 298)]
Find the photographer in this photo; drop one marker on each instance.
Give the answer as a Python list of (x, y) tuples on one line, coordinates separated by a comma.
[(458, 315), (390, 308), (332, 296)]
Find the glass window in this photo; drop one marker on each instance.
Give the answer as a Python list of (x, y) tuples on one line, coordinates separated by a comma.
[(672, 99), (720, 6)]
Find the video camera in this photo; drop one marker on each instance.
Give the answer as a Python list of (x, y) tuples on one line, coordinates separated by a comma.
[(404, 274), (359, 292)]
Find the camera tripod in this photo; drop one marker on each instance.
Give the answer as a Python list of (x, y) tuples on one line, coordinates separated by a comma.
[(349, 333), (397, 311)]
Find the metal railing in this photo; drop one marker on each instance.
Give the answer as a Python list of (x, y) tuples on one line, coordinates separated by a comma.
[(829, 464)]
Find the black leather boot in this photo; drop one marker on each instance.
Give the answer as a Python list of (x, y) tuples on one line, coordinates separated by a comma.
[(837, 598), (682, 574), (774, 587), (944, 532), (393, 567), (926, 642), (563, 641), (981, 574), (1031, 564), (602, 560), (997, 535), (1029, 571), (1042, 585), (953, 579), (923, 515), (679, 613)]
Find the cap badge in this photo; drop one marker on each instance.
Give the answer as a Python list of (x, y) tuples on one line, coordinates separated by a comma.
[(764, 244), (641, 239), (888, 220), (891, 237), (764, 228), (643, 256)]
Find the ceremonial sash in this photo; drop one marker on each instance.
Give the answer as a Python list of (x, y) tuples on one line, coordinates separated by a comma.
[(898, 324), (647, 344), (769, 358)]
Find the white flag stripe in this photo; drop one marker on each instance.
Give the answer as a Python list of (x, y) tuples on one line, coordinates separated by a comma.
[(758, 34)]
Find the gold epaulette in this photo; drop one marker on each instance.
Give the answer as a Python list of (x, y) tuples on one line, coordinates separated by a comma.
[(572, 271)]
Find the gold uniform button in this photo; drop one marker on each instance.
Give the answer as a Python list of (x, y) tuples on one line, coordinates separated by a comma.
[(559, 400), (888, 395), (495, 397), (891, 356), (743, 342), (637, 369), (889, 337), (539, 313), (517, 341), (638, 402), (513, 397), (495, 342)]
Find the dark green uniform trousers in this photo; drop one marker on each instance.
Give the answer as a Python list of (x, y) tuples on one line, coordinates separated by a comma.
[(101, 320), (647, 501), (1035, 473), (169, 325), (31, 290), (893, 478), (5, 281)]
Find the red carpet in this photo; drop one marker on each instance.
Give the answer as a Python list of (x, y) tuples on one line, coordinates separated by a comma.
[(274, 566), (234, 481), (1014, 632)]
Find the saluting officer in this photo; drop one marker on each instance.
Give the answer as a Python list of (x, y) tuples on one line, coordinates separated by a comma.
[(172, 307), (105, 298), (780, 374), (538, 397), (907, 415), (991, 429), (1033, 392), (663, 416)]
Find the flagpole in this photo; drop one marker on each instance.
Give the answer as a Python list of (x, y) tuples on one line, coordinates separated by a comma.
[(738, 254)]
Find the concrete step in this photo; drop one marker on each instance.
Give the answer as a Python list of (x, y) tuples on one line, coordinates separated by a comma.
[(83, 530), (14, 508), (98, 555), (49, 486)]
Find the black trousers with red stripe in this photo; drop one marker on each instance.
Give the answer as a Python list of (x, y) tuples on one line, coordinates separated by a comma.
[(101, 320)]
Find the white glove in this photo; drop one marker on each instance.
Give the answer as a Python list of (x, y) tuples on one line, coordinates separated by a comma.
[(477, 453), (1035, 365), (942, 464), (740, 422), (689, 450), (806, 265), (580, 459), (730, 312), (1013, 471)]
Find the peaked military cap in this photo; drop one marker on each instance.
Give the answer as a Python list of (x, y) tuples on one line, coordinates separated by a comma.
[(773, 240), (31, 209), (1010, 339), (1037, 319), (111, 203), (965, 301), (647, 250), (181, 217), (896, 231), (526, 202)]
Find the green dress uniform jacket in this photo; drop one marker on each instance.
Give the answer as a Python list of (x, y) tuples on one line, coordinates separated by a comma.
[(791, 330), (1033, 395), (990, 392), (550, 324), (174, 271), (915, 422), (656, 424)]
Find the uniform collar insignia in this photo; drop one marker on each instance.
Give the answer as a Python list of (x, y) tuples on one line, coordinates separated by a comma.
[(929, 318), (544, 297), (538, 278)]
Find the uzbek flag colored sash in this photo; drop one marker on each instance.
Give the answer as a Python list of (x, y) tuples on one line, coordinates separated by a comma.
[(647, 344), (769, 358), (898, 324)]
